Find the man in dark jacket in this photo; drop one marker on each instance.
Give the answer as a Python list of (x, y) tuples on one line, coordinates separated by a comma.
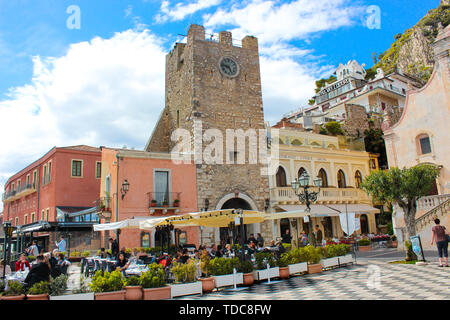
[(39, 272), (114, 247)]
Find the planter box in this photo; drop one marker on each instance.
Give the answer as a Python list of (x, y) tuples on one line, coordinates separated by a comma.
[(75, 259), (330, 262), (314, 268), (114, 295), (227, 280), (298, 268), (184, 289), (20, 297), (156, 293), (348, 258), (44, 296), (81, 296), (262, 274), (364, 248)]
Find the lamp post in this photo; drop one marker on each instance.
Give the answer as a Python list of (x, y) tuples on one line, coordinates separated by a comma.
[(125, 188), (306, 196), (8, 231)]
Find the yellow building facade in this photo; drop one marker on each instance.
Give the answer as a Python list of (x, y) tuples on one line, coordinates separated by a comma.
[(341, 171)]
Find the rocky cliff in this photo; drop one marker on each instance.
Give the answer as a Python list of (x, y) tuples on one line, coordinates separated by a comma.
[(411, 52)]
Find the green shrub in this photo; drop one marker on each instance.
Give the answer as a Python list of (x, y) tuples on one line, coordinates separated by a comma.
[(31, 258), (311, 254), (75, 254), (58, 285), (133, 281), (222, 266), (245, 267), (262, 258), (410, 255), (15, 288), (128, 250), (184, 272), (108, 282), (364, 242), (393, 238), (86, 254), (153, 277), (39, 288), (205, 261), (287, 246), (284, 260)]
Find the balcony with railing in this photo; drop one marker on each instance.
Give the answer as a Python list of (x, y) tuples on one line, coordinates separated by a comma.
[(22, 191), (104, 207), (163, 201), (330, 195)]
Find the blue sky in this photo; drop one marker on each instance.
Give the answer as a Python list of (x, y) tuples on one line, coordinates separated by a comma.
[(103, 84)]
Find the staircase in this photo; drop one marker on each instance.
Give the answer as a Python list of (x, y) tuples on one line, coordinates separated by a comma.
[(425, 222)]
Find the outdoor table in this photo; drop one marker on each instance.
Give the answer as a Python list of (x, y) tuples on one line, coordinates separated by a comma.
[(136, 270), (17, 276)]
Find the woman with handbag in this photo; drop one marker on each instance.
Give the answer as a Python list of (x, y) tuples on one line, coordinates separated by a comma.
[(441, 235)]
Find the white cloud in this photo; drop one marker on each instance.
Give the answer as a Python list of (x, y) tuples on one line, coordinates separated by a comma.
[(181, 10), (103, 92), (271, 21)]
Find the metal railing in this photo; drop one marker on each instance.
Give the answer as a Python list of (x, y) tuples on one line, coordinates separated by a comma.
[(161, 199), (426, 219), (104, 204), (18, 191)]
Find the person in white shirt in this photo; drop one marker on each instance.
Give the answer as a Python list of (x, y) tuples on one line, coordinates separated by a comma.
[(33, 250), (61, 244)]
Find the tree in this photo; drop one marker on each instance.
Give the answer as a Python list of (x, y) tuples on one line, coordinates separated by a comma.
[(403, 187), (334, 128)]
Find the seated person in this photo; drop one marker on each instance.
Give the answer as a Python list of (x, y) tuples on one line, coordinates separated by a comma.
[(55, 269), (260, 247), (213, 251), (39, 272), (103, 254), (63, 263), (184, 257), (122, 263), (22, 263)]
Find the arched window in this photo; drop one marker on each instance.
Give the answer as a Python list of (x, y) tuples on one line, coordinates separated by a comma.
[(323, 175), (281, 177), (424, 144), (358, 179), (300, 171), (341, 179)]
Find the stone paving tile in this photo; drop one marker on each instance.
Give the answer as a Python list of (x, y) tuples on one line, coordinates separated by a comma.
[(398, 282)]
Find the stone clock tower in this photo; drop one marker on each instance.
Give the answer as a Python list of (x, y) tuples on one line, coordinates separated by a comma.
[(219, 84)]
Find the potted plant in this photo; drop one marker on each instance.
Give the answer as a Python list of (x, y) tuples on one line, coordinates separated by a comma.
[(313, 258), (344, 255), (31, 258), (297, 261), (222, 271), (39, 291), (283, 264), (176, 203), (86, 254), (75, 256), (165, 203), (108, 286), (266, 266), (133, 288), (185, 279), (153, 203), (246, 267), (208, 283), (393, 243), (329, 256), (153, 283), (364, 245), (58, 285), (15, 291)]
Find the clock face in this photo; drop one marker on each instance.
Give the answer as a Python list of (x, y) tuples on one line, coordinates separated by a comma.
[(229, 67)]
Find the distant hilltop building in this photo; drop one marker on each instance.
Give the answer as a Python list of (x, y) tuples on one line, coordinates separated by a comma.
[(352, 99)]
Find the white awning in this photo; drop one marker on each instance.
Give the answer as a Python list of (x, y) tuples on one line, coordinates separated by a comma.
[(317, 210), (132, 223), (358, 208)]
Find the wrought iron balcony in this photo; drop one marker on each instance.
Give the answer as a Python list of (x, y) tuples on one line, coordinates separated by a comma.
[(163, 199), (104, 204), (22, 191)]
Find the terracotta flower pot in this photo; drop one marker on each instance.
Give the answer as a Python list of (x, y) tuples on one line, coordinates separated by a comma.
[(114, 295), (284, 272), (314, 268), (156, 293), (248, 279), (21, 297), (176, 204), (43, 296), (364, 248), (208, 284), (153, 204), (133, 293)]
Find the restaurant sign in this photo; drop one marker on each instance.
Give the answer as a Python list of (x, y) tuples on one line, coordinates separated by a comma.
[(334, 86)]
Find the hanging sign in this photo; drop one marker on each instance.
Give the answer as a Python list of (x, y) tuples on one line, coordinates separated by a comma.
[(306, 219)]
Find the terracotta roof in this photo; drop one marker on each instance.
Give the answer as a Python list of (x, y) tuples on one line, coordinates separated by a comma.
[(82, 148)]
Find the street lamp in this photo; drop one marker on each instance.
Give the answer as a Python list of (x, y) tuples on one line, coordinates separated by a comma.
[(306, 196), (125, 188), (8, 231)]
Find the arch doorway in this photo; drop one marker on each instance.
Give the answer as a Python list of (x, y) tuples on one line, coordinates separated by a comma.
[(285, 225), (327, 227), (225, 233), (364, 224)]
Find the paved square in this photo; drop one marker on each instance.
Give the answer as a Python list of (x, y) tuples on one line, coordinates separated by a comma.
[(365, 280)]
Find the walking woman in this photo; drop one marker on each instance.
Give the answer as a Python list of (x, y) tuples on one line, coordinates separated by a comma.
[(440, 236)]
